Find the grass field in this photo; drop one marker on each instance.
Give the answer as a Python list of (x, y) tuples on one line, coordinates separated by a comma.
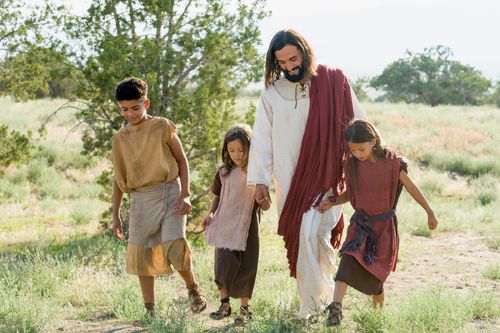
[(58, 272)]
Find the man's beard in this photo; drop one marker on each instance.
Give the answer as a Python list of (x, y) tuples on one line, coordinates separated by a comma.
[(296, 77)]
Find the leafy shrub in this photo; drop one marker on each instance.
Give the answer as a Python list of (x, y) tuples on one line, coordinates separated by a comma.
[(14, 146)]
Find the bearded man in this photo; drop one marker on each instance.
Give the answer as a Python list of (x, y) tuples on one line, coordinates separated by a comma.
[(298, 145)]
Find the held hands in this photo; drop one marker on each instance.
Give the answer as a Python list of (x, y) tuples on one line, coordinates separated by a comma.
[(117, 227), (184, 205), (325, 205), (206, 221), (432, 221), (262, 196)]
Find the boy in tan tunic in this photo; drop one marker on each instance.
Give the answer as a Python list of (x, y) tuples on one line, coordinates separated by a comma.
[(149, 162)]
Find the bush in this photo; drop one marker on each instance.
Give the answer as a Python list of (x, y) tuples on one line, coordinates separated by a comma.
[(83, 212), (492, 272), (486, 189), (36, 168), (13, 190), (462, 164), (14, 146), (50, 184), (485, 306)]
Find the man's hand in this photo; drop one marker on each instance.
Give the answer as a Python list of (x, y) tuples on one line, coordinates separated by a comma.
[(206, 221), (261, 194), (184, 205), (389, 153), (324, 205)]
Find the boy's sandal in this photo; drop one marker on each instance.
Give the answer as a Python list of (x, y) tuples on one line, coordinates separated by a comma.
[(334, 314), (222, 312), (198, 301), (244, 315), (150, 309)]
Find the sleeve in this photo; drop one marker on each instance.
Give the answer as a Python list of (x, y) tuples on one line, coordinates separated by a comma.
[(170, 129), (119, 169), (217, 183), (358, 112), (403, 166), (260, 159)]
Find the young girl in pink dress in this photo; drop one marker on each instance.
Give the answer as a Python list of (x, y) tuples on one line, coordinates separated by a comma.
[(373, 185), (232, 225)]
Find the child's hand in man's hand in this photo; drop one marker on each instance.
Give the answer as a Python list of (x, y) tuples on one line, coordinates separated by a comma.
[(324, 205), (206, 221), (184, 206), (264, 204)]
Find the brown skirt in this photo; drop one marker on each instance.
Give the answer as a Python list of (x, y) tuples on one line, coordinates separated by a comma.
[(236, 271), (352, 273)]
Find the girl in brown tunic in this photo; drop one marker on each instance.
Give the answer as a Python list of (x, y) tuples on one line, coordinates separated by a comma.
[(370, 250), (232, 225)]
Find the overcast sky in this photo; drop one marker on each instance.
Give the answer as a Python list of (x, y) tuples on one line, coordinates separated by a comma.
[(364, 36)]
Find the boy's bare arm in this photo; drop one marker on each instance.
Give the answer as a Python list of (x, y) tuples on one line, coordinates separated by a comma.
[(184, 203), (419, 198), (182, 163), (117, 202)]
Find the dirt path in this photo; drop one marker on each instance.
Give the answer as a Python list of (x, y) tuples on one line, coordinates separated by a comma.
[(453, 260)]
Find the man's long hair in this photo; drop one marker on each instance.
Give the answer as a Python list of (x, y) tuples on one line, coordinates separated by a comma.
[(280, 40)]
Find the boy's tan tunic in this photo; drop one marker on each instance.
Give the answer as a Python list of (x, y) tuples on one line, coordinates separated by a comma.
[(145, 167)]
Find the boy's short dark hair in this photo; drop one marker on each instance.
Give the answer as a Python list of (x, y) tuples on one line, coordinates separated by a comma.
[(130, 89)]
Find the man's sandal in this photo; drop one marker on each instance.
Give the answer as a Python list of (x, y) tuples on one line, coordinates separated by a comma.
[(334, 314), (223, 311), (244, 315), (198, 301)]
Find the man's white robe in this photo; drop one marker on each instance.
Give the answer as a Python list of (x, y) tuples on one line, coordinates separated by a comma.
[(274, 151)]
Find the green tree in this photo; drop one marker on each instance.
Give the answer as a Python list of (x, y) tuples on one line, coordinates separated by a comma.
[(195, 55), (38, 72), (359, 86), (494, 96), (431, 77), (34, 60)]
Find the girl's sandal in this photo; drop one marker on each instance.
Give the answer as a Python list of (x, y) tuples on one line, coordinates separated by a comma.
[(222, 312), (244, 316), (198, 301), (334, 314)]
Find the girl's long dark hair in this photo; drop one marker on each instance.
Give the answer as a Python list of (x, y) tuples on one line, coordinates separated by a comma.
[(280, 40), (360, 131), (241, 132)]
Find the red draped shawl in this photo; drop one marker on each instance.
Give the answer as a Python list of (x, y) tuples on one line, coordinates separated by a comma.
[(322, 153)]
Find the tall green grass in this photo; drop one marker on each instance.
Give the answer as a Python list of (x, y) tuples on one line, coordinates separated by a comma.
[(433, 310)]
